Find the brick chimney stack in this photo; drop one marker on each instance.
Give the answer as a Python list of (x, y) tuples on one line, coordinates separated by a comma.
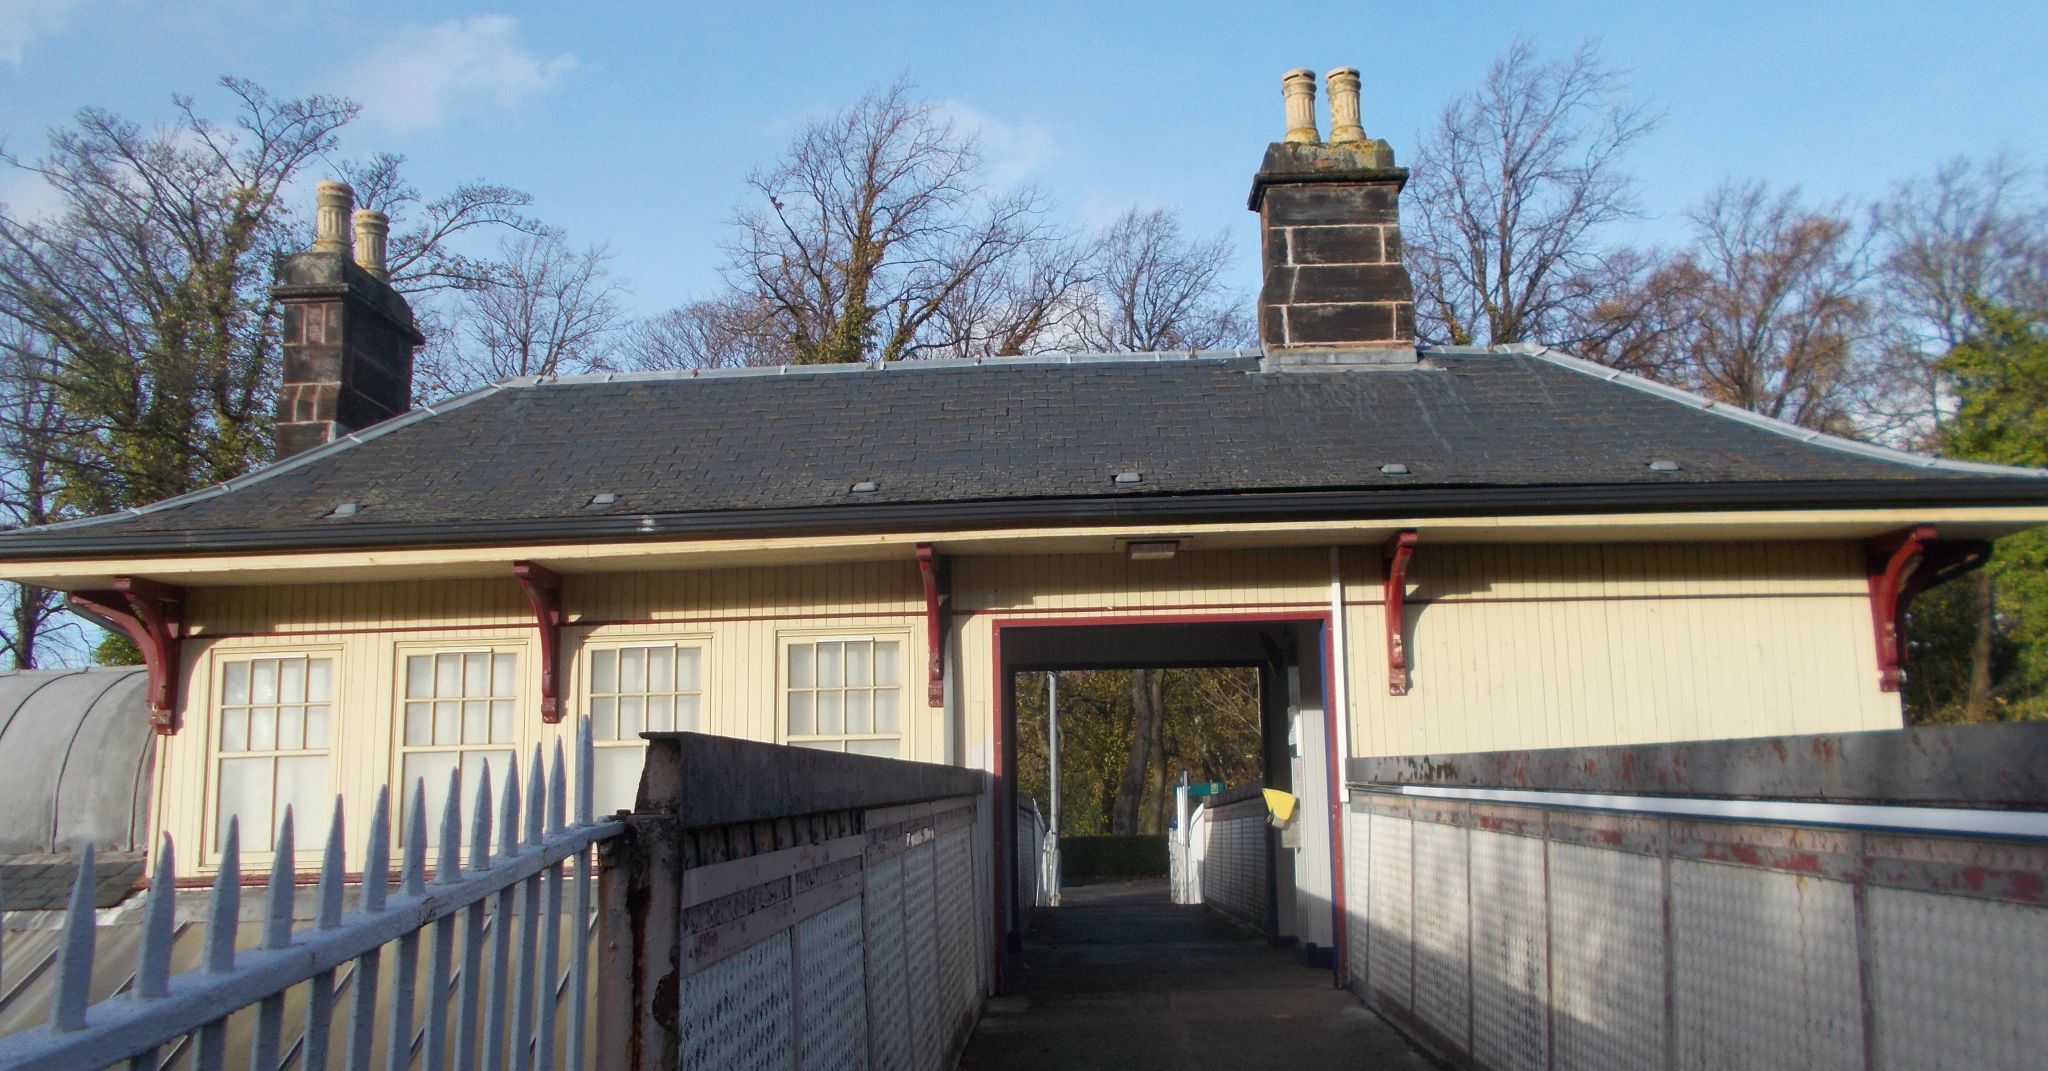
[(1336, 291), (348, 336)]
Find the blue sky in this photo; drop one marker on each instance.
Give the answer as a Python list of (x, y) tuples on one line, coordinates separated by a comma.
[(636, 126)]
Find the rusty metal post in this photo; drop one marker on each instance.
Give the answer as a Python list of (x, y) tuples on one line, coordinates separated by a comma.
[(639, 914)]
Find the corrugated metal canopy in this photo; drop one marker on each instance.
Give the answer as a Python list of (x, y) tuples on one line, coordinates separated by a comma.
[(75, 756)]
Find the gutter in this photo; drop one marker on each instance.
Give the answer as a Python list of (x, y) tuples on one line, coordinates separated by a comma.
[(101, 540)]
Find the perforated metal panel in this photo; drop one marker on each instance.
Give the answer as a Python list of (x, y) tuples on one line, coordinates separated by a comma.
[(1442, 921), (1357, 894), (955, 883), (1764, 970), (921, 956), (1510, 1030), (1608, 975), (736, 1013), (1960, 983), (832, 981), (888, 1006), (1393, 923)]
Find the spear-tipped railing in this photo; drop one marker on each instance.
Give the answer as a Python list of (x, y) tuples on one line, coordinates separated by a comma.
[(476, 1015)]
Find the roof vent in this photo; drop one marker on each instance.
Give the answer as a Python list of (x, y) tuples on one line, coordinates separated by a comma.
[(1393, 468), (346, 509), (602, 498), (865, 487), (1662, 465), (1128, 477)]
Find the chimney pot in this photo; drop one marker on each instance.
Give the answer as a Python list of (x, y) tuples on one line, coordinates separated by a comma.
[(1298, 89), (333, 201), (372, 228), (1344, 125)]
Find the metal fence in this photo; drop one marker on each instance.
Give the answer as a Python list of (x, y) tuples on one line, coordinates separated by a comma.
[(1852, 902), (492, 927)]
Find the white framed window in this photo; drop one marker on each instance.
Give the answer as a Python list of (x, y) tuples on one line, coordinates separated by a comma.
[(459, 710), (636, 688), (844, 693), (273, 748)]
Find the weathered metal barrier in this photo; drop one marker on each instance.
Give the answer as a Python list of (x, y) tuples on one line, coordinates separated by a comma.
[(1855, 901), (1228, 847), (504, 906), (774, 907)]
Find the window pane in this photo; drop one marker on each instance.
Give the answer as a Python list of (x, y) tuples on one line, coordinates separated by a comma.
[(888, 662), (262, 728), (433, 766), (633, 669), (476, 675), (419, 677), (884, 748), (661, 669), (661, 713), (244, 792), (263, 681), (476, 722), (857, 717), (236, 691), (802, 659), (830, 719), (632, 718), (292, 683), (447, 676), (501, 721), (234, 729), (820, 745), (802, 722), (291, 728), (320, 679), (316, 727), (419, 724), (447, 723), (615, 778), (830, 659), (302, 784), (604, 671), (473, 763), (857, 655), (888, 710), (505, 674), (686, 669), (686, 713), (604, 719)]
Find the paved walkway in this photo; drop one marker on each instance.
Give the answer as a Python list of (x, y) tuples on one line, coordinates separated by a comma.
[(1118, 977)]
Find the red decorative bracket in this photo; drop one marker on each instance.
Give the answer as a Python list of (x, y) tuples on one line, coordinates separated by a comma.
[(153, 615), (543, 587), (931, 568), (1400, 548), (1900, 566)]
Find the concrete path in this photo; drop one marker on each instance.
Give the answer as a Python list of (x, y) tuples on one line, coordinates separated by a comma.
[(1118, 977)]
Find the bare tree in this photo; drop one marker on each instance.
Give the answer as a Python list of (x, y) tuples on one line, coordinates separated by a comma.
[(1969, 234), (553, 310), (1152, 288), (733, 331), (873, 220), (1148, 702), (421, 256), (1021, 303), (31, 420), (1774, 309), (1510, 192)]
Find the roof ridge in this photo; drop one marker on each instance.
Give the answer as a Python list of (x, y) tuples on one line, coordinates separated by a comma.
[(1750, 417), (918, 365)]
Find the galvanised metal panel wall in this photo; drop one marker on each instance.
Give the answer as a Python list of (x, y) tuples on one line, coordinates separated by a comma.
[(1234, 860), (1960, 983), (737, 1012), (831, 988), (888, 999), (1764, 970), (1358, 898), (1628, 941), (1510, 965)]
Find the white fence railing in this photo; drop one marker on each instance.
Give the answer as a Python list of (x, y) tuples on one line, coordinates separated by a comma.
[(507, 901)]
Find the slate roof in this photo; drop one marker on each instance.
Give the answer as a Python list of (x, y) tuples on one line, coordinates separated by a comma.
[(1029, 441)]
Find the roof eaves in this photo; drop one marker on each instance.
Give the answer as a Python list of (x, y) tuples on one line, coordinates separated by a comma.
[(354, 438), (1758, 420)]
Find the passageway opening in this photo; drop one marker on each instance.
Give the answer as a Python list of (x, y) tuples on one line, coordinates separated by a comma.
[(1297, 744)]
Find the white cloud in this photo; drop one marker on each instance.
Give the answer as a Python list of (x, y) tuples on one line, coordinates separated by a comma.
[(23, 22), (425, 76), (1009, 153)]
